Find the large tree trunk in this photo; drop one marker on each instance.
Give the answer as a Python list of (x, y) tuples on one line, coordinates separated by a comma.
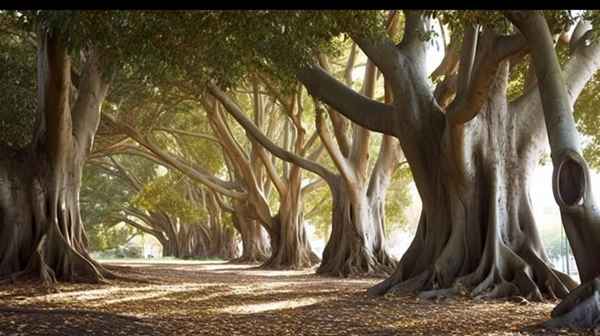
[(477, 232), (40, 222), (289, 243), (470, 162), (221, 238), (192, 241)]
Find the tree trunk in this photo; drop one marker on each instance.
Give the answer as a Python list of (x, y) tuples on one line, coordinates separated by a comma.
[(40, 222), (226, 248), (168, 248), (356, 243), (571, 177), (221, 238), (477, 233), (290, 248), (255, 247)]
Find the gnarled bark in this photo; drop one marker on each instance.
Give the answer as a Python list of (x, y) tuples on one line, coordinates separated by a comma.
[(477, 233), (470, 163)]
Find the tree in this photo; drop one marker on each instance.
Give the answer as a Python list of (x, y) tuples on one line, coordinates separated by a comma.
[(290, 247), (470, 157), (356, 244), (571, 177), (102, 197), (192, 158), (41, 227)]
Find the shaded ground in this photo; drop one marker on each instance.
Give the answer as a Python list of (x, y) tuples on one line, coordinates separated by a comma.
[(215, 298)]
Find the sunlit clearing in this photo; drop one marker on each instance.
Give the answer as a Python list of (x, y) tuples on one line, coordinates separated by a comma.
[(275, 305)]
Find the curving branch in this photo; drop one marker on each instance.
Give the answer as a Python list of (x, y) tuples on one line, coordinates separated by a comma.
[(197, 173), (133, 181), (232, 108), (340, 161), (187, 133), (312, 186), (482, 57)]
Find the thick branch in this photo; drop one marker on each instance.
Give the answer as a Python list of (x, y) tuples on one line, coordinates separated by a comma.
[(367, 113), (92, 90)]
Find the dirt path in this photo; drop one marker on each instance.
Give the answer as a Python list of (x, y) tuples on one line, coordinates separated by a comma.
[(213, 298)]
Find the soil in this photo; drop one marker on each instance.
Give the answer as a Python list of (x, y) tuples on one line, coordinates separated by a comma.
[(220, 298)]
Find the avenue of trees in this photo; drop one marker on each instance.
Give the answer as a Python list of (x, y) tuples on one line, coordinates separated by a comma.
[(206, 128)]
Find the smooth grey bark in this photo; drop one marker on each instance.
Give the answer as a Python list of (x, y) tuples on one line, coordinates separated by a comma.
[(471, 163), (571, 178), (289, 243), (40, 224)]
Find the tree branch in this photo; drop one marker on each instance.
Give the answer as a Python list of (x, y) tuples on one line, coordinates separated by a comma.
[(255, 133), (187, 133), (367, 113), (91, 92), (196, 173)]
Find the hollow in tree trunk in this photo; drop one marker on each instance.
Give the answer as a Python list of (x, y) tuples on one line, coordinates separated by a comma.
[(571, 181)]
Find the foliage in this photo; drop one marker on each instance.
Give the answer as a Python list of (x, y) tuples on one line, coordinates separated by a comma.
[(228, 46), (168, 193), (18, 87), (102, 196), (588, 122), (103, 237), (398, 199)]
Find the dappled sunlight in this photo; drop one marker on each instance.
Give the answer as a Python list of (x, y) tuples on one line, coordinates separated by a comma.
[(204, 300), (182, 265), (269, 306), (116, 294), (265, 273)]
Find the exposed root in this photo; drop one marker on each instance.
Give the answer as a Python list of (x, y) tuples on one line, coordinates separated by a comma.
[(580, 309), (302, 260), (359, 263), (413, 284), (438, 293), (500, 274)]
